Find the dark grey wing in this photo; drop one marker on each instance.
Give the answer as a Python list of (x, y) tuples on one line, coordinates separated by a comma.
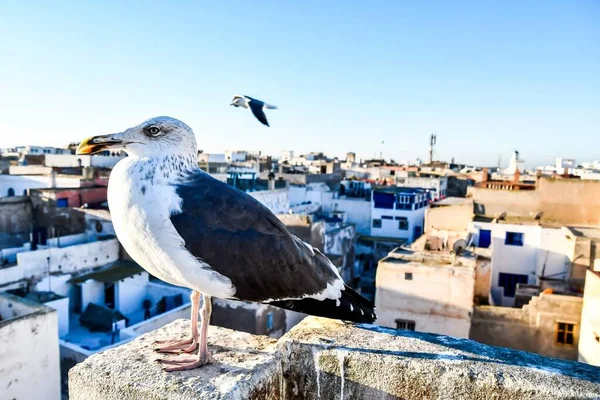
[(256, 106), (241, 239)]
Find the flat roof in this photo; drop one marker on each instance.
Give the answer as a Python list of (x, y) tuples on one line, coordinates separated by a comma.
[(399, 189), (110, 273), (453, 201)]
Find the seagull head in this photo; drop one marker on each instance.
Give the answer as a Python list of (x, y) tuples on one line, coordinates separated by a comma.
[(239, 101), (155, 137)]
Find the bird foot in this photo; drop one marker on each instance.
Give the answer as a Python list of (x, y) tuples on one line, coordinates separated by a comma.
[(176, 346), (184, 363)]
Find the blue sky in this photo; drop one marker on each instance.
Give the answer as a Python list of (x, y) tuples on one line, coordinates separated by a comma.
[(486, 76)]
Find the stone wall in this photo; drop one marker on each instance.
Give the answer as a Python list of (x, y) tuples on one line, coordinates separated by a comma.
[(16, 215), (568, 201), (531, 328), (326, 359), (455, 218)]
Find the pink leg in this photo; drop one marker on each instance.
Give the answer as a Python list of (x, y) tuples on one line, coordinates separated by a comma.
[(186, 345), (203, 357)]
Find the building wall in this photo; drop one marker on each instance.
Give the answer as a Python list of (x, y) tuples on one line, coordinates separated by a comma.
[(483, 277), (542, 248), (532, 328), (131, 293), (71, 160), (569, 201), (29, 356), (448, 218), (92, 292), (389, 227), (439, 299), (62, 310), (357, 212), (589, 337), (275, 200), (21, 183), (35, 264), (15, 220), (29, 170)]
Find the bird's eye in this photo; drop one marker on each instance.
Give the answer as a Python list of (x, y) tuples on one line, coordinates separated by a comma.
[(153, 130)]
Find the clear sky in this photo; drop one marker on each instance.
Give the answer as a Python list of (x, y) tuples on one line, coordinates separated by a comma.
[(486, 76)]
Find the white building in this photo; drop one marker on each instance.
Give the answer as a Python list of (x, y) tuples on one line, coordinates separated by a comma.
[(232, 156), (522, 254), (17, 185), (29, 352), (41, 150), (287, 155), (437, 187), (514, 164), (398, 212), (72, 160)]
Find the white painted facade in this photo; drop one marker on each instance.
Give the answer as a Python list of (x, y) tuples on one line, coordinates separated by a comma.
[(406, 220), (437, 186), (64, 260), (277, 201), (356, 211), (17, 185), (29, 355), (62, 311), (72, 160), (544, 251), (313, 193)]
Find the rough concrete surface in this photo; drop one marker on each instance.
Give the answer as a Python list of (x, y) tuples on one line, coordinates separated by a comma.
[(244, 368), (327, 359), (339, 360)]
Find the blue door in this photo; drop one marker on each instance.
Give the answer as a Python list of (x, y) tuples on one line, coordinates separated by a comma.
[(485, 238)]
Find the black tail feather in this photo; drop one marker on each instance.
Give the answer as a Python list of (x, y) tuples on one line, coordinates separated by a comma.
[(352, 307)]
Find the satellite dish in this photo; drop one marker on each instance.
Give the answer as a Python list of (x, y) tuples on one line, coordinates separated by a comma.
[(501, 217), (538, 216), (459, 246)]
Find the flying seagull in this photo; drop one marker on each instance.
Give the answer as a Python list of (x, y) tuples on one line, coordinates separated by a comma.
[(191, 230), (256, 106)]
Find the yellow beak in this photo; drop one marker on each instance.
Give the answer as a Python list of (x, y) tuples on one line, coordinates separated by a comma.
[(96, 144)]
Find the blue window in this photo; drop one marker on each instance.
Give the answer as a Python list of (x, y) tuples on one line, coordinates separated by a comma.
[(383, 200), (514, 239), (376, 223), (509, 282), (403, 224), (386, 217), (11, 192), (485, 238), (62, 202)]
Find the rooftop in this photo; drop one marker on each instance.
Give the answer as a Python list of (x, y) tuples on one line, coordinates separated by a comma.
[(110, 273), (322, 358), (453, 201), (13, 308)]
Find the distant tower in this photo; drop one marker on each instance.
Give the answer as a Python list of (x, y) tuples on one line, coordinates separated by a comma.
[(432, 141), (351, 157)]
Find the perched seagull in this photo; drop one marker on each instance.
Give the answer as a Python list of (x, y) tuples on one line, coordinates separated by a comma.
[(256, 106), (191, 230)]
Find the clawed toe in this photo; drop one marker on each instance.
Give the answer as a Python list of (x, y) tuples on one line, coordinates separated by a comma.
[(176, 346), (184, 363)]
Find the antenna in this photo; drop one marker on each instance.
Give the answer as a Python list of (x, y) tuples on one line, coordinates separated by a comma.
[(432, 141)]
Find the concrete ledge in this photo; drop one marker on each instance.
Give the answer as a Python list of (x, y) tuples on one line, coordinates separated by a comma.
[(246, 368), (327, 359)]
